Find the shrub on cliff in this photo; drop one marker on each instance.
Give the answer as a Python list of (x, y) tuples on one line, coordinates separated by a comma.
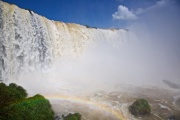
[(9, 95), (14, 105), (20, 89), (140, 107), (33, 108)]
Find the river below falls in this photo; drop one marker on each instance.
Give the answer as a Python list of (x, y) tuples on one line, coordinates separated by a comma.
[(113, 105)]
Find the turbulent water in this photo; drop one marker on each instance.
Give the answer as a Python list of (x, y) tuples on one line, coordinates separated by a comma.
[(88, 70), (29, 41)]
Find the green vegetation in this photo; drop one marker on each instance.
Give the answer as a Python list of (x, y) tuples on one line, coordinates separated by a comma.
[(10, 94), (20, 89), (75, 116), (140, 107), (15, 106)]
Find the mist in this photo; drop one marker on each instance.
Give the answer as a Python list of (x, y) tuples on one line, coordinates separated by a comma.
[(96, 72), (147, 54)]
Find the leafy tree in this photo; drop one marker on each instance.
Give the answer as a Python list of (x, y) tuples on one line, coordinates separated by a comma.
[(14, 105), (33, 108), (8, 95), (12, 85), (2, 84), (19, 89)]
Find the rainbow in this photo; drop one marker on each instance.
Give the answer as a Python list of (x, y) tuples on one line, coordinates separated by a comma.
[(101, 106)]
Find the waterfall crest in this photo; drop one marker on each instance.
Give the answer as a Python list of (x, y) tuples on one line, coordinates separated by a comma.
[(29, 41)]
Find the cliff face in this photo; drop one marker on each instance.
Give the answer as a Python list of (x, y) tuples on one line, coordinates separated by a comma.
[(29, 41)]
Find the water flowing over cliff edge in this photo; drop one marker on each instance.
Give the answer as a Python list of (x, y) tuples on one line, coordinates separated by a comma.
[(90, 70), (29, 41)]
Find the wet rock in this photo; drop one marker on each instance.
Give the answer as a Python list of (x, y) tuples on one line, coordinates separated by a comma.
[(171, 84), (171, 118), (140, 107)]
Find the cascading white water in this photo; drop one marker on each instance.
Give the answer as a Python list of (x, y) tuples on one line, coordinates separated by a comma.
[(30, 44), (29, 41)]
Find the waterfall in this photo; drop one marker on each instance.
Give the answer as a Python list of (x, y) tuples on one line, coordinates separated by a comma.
[(31, 42)]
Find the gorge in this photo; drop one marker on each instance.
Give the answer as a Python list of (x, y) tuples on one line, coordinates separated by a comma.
[(97, 72)]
